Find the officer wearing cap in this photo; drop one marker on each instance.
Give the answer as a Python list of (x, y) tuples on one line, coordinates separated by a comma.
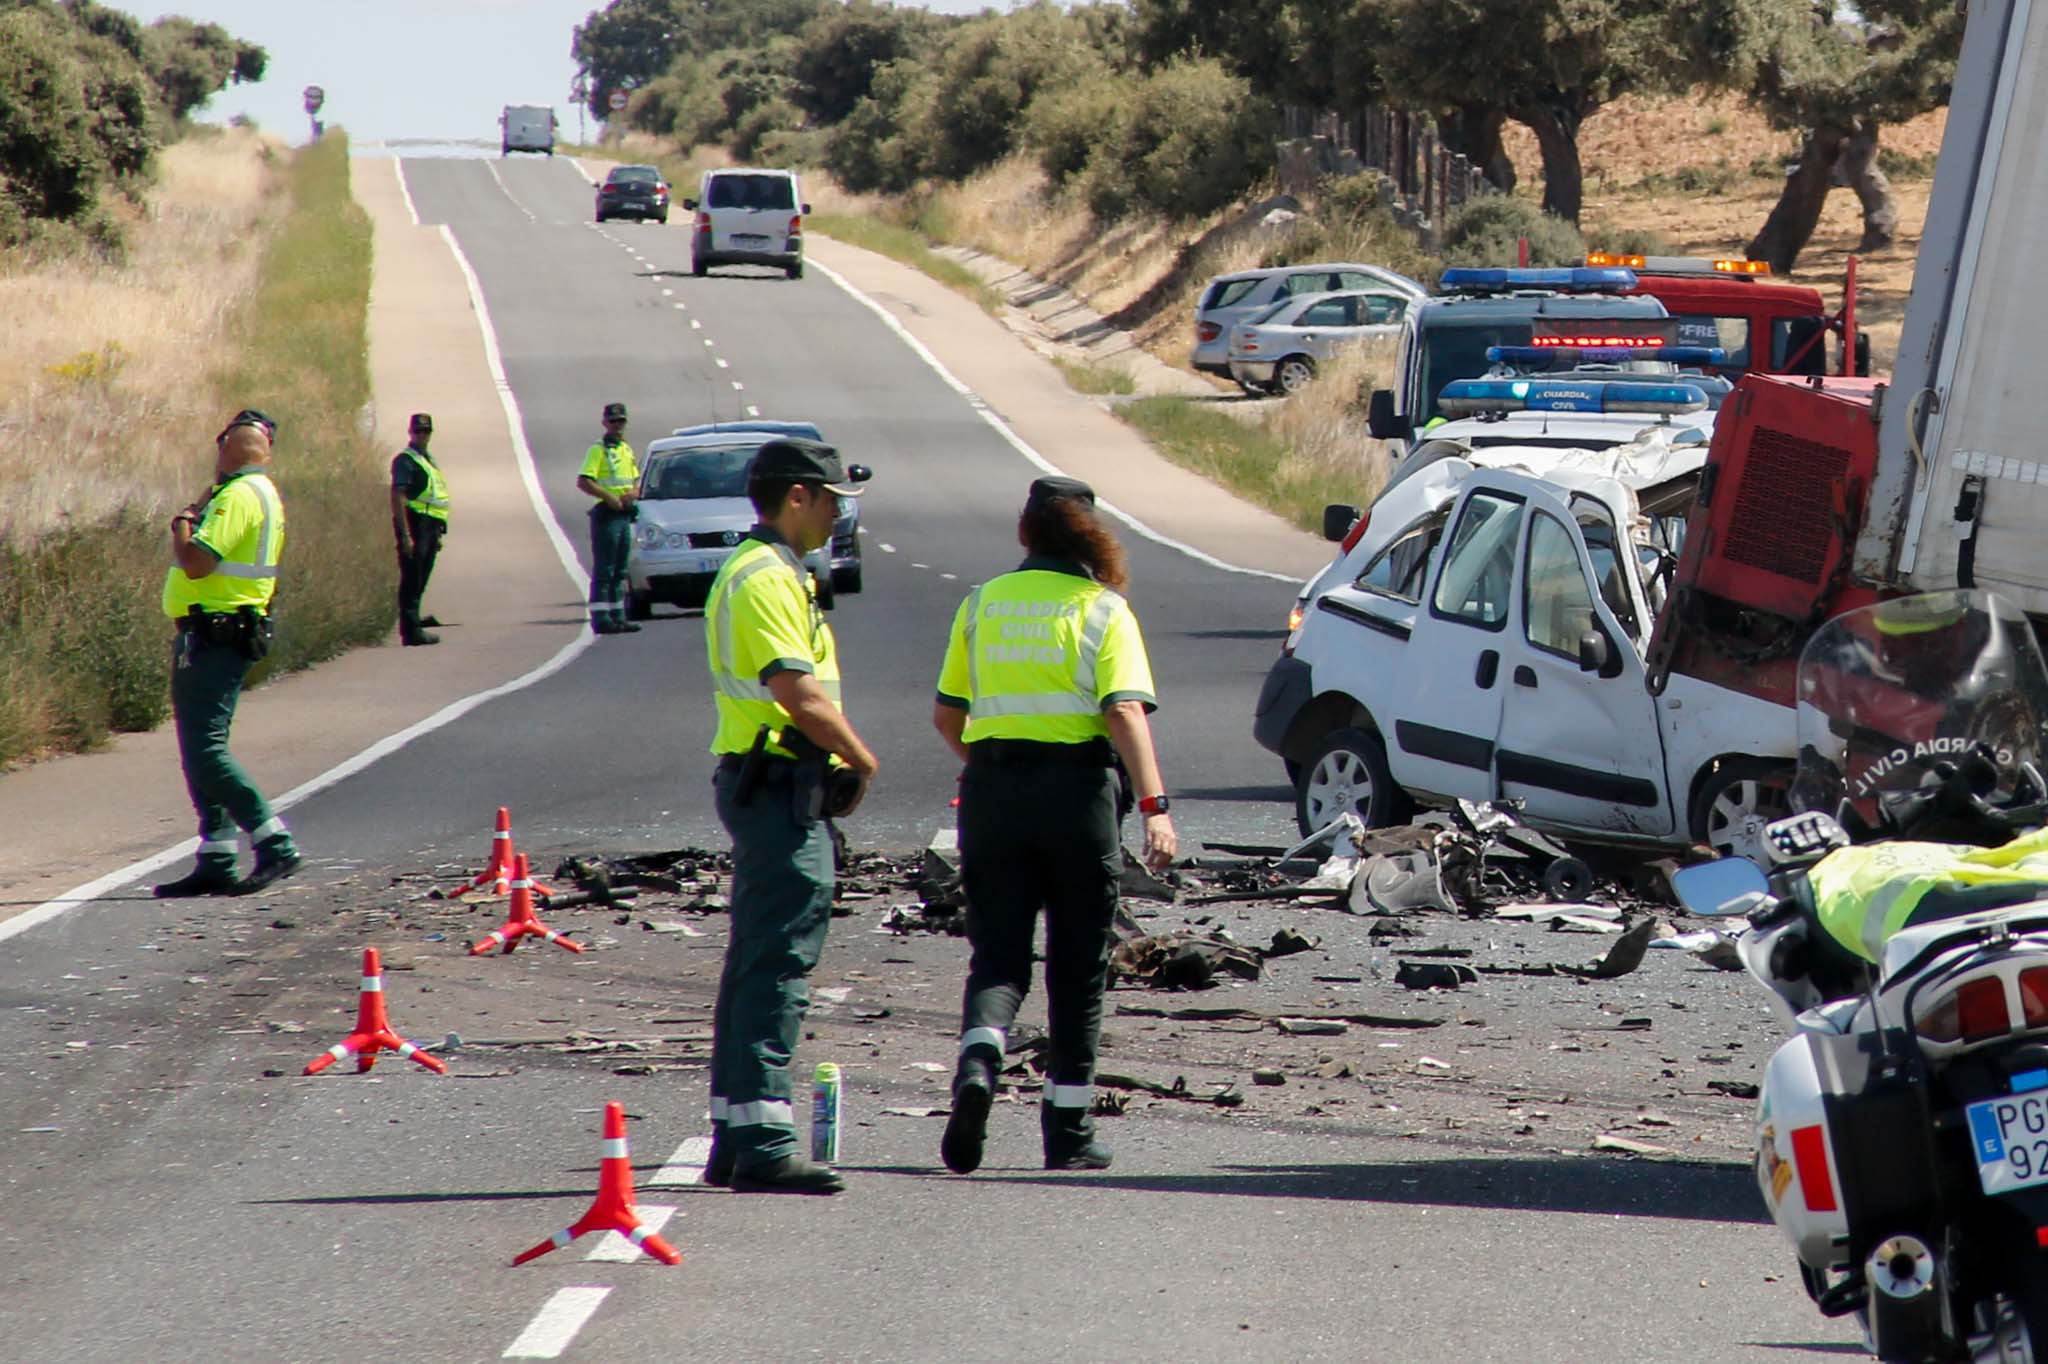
[(787, 760), (610, 474), (419, 520), (1045, 684), (224, 552)]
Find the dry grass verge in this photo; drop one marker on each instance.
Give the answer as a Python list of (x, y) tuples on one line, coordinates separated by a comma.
[(247, 285)]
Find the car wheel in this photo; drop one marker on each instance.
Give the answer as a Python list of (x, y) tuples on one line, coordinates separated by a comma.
[(846, 579), (1294, 373), (639, 606), (663, 220), (1731, 807), (1347, 770), (794, 271), (697, 267)]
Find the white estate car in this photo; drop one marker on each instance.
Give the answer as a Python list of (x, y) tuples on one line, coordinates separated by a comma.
[(1486, 640), (1278, 349)]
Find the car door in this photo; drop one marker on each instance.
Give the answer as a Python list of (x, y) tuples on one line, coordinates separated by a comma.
[(1319, 327), (1580, 748), (1445, 706)]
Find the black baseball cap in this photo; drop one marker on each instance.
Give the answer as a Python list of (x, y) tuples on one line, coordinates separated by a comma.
[(806, 461), (249, 416), (614, 412), (1051, 489), (421, 421)]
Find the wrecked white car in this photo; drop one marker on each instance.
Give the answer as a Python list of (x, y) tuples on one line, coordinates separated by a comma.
[(1484, 639)]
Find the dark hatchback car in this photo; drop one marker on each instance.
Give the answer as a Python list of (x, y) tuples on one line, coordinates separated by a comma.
[(633, 192)]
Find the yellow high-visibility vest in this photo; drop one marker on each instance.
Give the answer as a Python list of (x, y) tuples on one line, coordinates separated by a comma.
[(761, 618), (242, 523)]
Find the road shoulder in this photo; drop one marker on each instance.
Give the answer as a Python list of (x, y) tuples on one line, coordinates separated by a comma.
[(499, 584)]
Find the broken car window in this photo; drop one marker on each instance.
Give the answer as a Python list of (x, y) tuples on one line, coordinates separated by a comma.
[(1480, 568), (1399, 570), (1558, 605)]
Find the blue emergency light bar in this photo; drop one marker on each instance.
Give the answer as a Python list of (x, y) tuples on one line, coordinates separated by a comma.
[(1556, 356), (1577, 279), (1468, 397)]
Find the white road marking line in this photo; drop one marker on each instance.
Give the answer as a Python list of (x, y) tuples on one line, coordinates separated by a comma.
[(616, 1249), (887, 549), (588, 178), (492, 167), (753, 411), (556, 1324), (679, 307), (399, 165), (695, 325), (686, 1166), (721, 362), (1023, 447), (950, 577), (669, 293), (920, 565), (447, 715), (738, 387), (707, 340)]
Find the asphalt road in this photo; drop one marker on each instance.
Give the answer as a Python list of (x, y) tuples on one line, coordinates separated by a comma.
[(168, 1190)]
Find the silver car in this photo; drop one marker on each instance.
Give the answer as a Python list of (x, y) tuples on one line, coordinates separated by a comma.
[(1228, 299), (1278, 350), (694, 511)]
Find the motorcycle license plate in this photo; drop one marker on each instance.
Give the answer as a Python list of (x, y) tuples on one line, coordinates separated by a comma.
[(2011, 1140)]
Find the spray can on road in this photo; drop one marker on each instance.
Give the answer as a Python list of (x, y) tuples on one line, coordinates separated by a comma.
[(825, 1089)]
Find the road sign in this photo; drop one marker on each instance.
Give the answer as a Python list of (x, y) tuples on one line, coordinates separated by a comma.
[(617, 100), (315, 97)]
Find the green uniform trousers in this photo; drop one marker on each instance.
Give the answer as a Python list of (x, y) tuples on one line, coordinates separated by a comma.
[(611, 543), (781, 905), (206, 682)]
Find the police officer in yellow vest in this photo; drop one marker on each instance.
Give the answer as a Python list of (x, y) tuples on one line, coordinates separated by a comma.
[(787, 760), (1045, 684), (610, 475), (419, 521), (225, 551)]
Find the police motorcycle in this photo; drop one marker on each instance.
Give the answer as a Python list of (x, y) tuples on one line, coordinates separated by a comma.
[(1902, 927)]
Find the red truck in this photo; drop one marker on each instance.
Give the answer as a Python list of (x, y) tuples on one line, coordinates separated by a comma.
[(1766, 327)]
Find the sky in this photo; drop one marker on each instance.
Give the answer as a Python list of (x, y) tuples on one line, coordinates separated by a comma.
[(433, 69)]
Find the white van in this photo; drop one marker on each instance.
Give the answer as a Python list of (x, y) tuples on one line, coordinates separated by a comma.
[(526, 128), (747, 216)]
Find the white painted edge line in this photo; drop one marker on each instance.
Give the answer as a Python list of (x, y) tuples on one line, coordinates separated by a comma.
[(614, 1248), (1022, 446), (404, 190), (588, 178), (686, 1166), (448, 714), (556, 1324)]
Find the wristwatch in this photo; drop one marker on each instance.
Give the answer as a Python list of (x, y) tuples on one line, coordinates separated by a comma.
[(1154, 805)]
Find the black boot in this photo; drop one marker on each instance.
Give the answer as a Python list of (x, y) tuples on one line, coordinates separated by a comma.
[(431, 622), (718, 1165), (791, 1174), (974, 1089), (412, 638), (208, 878), (1070, 1142), (276, 858)]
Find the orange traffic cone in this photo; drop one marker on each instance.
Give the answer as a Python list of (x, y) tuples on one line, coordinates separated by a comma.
[(613, 1208), (521, 923), (496, 877), (373, 1030)]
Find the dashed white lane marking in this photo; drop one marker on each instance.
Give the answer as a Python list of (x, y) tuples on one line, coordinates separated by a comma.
[(738, 387), (753, 411), (679, 307), (670, 293), (1019, 444), (398, 164), (695, 325), (707, 341), (556, 1324), (950, 577), (887, 549), (920, 565), (447, 715), (616, 1249), (686, 1166), (721, 362)]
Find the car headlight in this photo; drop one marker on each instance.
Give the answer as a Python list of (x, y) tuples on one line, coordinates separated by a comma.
[(677, 539), (650, 537)]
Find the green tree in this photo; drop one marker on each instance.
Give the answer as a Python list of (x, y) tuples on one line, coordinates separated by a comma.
[(839, 52), (1550, 64), (629, 43), (190, 63), (1836, 85)]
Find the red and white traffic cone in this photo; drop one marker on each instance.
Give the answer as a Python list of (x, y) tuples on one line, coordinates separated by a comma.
[(496, 877), (522, 922), (373, 1030), (613, 1208)]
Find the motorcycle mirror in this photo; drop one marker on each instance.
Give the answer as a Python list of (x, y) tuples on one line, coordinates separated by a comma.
[(1720, 889)]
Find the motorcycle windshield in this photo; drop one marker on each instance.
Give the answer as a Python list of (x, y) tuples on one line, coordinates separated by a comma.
[(1895, 696)]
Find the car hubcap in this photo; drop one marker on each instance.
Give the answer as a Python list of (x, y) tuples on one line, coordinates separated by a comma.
[(1736, 820), (1339, 782), (1293, 376)]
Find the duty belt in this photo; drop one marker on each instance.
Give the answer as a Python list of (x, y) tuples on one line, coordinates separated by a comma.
[(1020, 752)]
